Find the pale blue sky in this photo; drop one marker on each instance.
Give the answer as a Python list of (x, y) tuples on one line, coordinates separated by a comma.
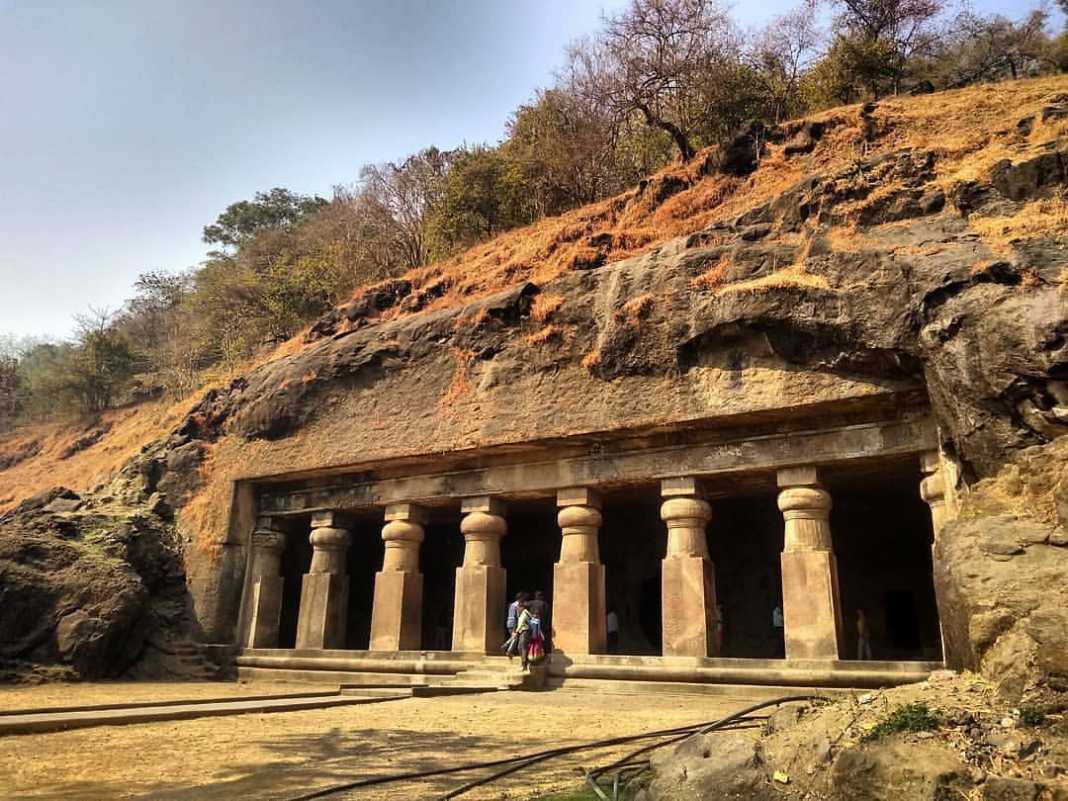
[(126, 126)]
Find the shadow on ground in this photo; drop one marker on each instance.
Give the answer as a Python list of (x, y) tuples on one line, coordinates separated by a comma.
[(299, 763)]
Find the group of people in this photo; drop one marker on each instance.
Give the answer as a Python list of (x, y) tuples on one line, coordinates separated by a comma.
[(527, 624)]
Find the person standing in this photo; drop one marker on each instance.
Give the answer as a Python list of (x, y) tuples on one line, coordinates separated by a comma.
[(612, 627), (513, 613), (863, 636), (522, 633), (778, 630), (539, 609), (719, 624)]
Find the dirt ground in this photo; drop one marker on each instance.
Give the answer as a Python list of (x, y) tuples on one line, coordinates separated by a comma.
[(64, 694), (278, 756)]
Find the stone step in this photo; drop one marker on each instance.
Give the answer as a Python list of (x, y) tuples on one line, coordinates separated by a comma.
[(62, 721), (336, 677)]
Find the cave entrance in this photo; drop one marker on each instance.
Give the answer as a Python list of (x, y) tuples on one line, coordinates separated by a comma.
[(366, 550), (441, 553), (529, 551), (633, 540), (882, 540), (745, 539), (296, 560)]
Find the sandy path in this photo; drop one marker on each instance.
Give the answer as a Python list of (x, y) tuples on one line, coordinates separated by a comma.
[(277, 756)]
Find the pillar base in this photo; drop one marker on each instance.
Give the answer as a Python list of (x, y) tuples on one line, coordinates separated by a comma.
[(812, 612), (479, 611), (397, 618), (688, 606), (579, 608), (266, 614), (324, 607)]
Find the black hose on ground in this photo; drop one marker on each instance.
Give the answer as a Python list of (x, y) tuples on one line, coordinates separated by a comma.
[(517, 763)]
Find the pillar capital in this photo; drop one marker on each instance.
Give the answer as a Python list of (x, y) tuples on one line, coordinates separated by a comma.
[(330, 518), (803, 476), (407, 512), (487, 504), (681, 487), (578, 496), (403, 533), (805, 503)]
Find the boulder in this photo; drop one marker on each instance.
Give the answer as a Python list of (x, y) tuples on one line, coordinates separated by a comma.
[(711, 767), (899, 771)]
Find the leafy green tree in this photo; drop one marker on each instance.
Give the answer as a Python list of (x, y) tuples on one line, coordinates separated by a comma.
[(478, 201), (274, 209)]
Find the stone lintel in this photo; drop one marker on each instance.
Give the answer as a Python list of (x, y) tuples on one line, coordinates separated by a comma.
[(930, 461), (408, 512), (578, 496), (805, 476), (487, 504), (681, 487), (770, 452), (330, 518)]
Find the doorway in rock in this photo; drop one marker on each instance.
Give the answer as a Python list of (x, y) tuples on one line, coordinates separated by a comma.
[(441, 553), (364, 560), (633, 540), (745, 538), (529, 550), (296, 559), (882, 541)]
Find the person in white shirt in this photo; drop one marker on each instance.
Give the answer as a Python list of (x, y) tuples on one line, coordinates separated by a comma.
[(612, 625), (778, 630)]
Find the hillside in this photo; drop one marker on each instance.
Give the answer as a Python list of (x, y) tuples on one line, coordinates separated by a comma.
[(916, 245), (968, 131)]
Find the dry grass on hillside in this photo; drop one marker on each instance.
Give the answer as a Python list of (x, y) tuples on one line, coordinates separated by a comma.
[(970, 129), (131, 428)]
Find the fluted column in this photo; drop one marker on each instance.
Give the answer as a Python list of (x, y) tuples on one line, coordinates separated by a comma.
[(812, 613), (578, 578), (688, 592), (478, 613), (324, 592), (397, 617), (265, 588)]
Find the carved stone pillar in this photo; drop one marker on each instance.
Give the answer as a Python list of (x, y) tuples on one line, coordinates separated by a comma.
[(688, 590), (933, 490), (265, 588), (397, 617), (324, 592), (812, 613), (478, 613), (578, 578)]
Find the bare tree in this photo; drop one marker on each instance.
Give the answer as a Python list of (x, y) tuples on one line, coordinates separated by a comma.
[(653, 59), (782, 53), (889, 32)]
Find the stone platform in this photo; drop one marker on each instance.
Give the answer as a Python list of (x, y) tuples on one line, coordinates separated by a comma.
[(659, 673)]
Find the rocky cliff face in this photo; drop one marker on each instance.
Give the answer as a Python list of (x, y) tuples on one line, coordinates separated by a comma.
[(890, 262)]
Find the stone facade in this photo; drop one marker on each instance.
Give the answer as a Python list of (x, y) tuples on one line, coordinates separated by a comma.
[(691, 622)]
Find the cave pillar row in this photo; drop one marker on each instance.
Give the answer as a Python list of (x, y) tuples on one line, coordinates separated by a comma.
[(397, 616), (579, 625), (481, 580), (812, 612), (688, 595), (265, 589), (324, 592)]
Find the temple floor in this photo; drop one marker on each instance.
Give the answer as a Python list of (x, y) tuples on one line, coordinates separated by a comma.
[(277, 756)]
